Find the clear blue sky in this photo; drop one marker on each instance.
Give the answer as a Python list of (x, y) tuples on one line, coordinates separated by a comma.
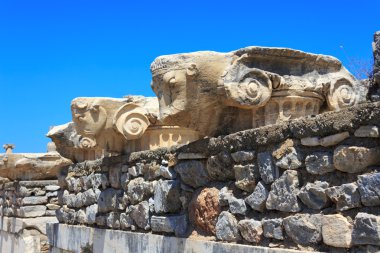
[(53, 51)]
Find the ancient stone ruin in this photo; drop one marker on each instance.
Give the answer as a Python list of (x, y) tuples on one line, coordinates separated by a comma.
[(255, 150)]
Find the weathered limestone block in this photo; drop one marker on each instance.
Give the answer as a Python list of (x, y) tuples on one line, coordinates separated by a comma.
[(369, 189), (151, 171), (251, 230), (126, 221), (170, 224), (366, 229), (193, 173), (334, 139), (354, 159), (138, 190), (367, 132), (114, 175), (141, 215), (227, 228), (304, 229), (336, 231), (31, 211), (319, 163), (268, 171), (273, 228), (245, 177), (204, 210), (243, 156), (167, 196), (258, 198), (89, 197), (287, 156), (313, 195), (51, 188), (247, 88), (34, 200), (167, 172), (283, 193), (345, 196), (219, 167), (113, 220), (108, 200), (81, 217), (91, 212)]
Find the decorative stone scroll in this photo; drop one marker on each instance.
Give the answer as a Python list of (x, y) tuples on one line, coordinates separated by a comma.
[(218, 93), (110, 126)]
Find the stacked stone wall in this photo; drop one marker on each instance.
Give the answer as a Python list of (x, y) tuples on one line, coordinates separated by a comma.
[(309, 184)]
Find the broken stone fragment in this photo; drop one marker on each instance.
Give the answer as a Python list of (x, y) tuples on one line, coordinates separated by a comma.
[(273, 228), (193, 173), (345, 196), (167, 196), (140, 215), (251, 230), (176, 224), (237, 206), (258, 198), (354, 159), (80, 217), (290, 160), (366, 229), (313, 195), (283, 193), (243, 156), (66, 215), (113, 220), (167, 172), (245, 177), (304, 229), (227, 228), (268, 171), (126, 221), (369, 189), (367, 131), (319, 163), (219, 167), (336, 231)]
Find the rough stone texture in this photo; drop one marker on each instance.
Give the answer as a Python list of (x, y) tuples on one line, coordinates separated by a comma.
[(114, 176), (291, 160), (227, 228), (268, 171), (345, 196), (170, 224), (113, 220), (167, 172), (89, 197), (167, 196), (219, 167), (369, 189), (336, 231), (139, 190), (258, 198), (108, 200), (34, 200), (91, 213), (237, 206), (273, 228), (251, 230), (140, 215), (243, 156), (376, 56), (204, 210), (366, 229), (367, 132), (126, 221), (192, 173), (283, 193), (310, 141), (313, 195), (319, 163), (245, 177), (354, 159), (304, 229), (31, 211)]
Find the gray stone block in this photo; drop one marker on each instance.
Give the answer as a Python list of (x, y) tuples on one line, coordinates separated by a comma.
[(227, 228), (268, 171), (176, 224), (193, 173), (304, 229), (273, 228), (369, 189), (258, 198), (167, 196)]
